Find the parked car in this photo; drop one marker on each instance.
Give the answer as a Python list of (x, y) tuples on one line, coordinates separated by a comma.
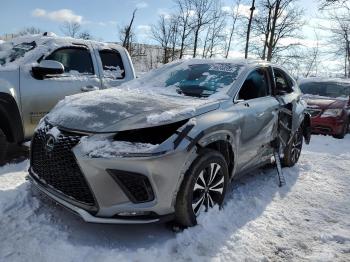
[(328, 104), (38, 71), (166, 145)]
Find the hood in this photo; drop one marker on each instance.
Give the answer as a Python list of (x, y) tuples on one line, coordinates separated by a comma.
[(116, 109), (325, 102)]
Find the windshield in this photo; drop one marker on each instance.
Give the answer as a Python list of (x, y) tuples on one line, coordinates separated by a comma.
[(192, 78), (10, 53), (328, 89)]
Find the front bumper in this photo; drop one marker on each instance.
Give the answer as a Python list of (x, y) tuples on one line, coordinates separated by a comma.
[(92, 187), (327, 125), (87, 216)]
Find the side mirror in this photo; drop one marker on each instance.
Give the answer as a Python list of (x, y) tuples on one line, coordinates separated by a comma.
[(47, 67)]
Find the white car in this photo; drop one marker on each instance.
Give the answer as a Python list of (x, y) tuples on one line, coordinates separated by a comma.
[(37, 71)]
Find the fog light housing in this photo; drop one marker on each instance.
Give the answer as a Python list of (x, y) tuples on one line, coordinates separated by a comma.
[(136, 187)]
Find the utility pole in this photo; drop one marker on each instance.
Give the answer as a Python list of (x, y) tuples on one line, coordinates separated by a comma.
[(249, 27)]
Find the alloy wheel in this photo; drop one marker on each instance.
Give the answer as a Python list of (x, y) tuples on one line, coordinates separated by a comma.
[(208, 189), (296, 146)]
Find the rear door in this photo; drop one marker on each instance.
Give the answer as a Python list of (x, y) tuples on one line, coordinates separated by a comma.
[(115, 65), (259, 109), (39, 96)]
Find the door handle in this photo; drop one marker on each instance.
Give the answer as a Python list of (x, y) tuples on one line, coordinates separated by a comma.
[(89, 88)]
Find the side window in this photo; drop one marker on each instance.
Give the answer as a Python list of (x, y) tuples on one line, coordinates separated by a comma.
[(256, 85), (74, 59), (112, 64), (283, 82)]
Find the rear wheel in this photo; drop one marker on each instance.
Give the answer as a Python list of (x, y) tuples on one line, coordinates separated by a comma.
[(203, 187), (3, 147), (293, 150)]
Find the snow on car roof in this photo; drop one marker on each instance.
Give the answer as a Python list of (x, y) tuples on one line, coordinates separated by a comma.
[(44, 44)]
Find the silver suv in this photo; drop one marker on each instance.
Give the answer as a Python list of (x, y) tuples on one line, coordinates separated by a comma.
[(38, 71), (166, 146)]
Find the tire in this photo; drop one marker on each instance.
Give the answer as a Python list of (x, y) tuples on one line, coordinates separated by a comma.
[(198, 191), (3, 147), (344, 131), (293, 150)]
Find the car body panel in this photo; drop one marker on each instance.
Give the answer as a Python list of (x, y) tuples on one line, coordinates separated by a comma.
[(36, 97), (126, 111), (248, 127), (318, 104)]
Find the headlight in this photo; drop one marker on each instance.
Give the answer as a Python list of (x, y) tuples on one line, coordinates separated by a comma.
[(332, 112)]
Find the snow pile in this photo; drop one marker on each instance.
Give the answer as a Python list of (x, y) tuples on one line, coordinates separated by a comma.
[(306, 220), (101, 146), (113, 72)]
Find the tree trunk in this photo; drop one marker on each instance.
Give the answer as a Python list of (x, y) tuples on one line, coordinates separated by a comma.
[(267, 34), (249, 27), (232, 31), (195, 42), (273, 29)]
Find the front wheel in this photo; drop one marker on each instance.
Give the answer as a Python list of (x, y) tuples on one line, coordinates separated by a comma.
[(344, 131), (3, 147), (203, 187), (293, 149)]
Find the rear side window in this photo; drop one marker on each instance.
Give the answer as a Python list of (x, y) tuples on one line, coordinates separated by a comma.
[(74, 59), (283, 82), (112, 64), (256, 85)]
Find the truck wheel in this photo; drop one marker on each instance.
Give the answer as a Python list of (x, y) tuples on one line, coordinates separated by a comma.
[(344, 131), (3, 147), (293, 150), (203, 187)]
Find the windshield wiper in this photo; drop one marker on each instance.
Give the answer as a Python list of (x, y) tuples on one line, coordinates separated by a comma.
[(195, 91)]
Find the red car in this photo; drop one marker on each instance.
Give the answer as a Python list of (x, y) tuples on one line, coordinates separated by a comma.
[(328, 104)]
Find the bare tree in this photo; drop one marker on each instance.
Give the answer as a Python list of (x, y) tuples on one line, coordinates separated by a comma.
[(202, 10), (325, 4), (184, 23), (29, 31), (161, 33), (234, 15), (340, 38), (71, 29), (312, 57), (277, 20), (85, 35), (127, 34), (262, 26), (174, 35), (215, 32), (249, 28)]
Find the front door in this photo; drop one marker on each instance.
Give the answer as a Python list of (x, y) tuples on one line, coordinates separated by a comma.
[(260, 115), (39, 96)]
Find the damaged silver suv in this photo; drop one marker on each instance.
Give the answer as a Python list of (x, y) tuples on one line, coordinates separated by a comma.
[(166, 146)]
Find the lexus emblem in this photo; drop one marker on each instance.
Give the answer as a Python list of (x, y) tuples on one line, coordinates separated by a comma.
[(50, 143)]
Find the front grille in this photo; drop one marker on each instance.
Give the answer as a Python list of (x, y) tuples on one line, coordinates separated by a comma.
[(136, 186), (58, 168), (314, 112)]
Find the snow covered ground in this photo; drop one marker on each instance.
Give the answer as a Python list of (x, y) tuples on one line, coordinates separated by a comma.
[(306, 220)]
